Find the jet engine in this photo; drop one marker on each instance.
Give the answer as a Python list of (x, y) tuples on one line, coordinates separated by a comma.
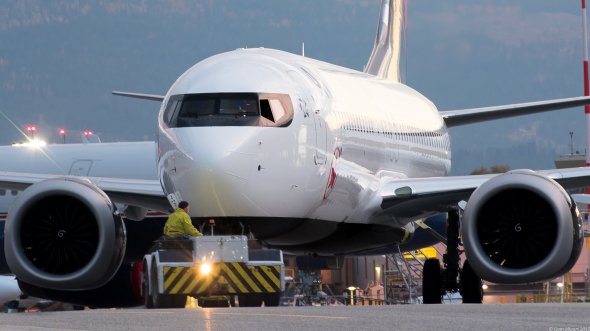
[(521, 227), (64, 234)]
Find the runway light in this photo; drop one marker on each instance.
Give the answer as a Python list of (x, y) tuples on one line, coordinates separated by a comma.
[(484, 286), (205, 269)]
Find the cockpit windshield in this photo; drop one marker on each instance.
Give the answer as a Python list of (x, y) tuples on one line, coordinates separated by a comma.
[(229, 109)]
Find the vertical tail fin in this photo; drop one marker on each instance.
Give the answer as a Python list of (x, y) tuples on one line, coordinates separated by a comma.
[(385, 60)]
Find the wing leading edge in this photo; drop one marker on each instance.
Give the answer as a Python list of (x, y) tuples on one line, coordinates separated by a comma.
[(134, 192), (143, 96), (474, 115)]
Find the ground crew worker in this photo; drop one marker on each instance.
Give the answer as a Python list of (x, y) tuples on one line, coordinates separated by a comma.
[(179, 223)]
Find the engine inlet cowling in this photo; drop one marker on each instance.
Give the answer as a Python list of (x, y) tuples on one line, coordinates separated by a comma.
[(64, 234), (521, 227)]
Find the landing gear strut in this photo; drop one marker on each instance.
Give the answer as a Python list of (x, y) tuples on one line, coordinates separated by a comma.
[(451, 278), (452, 256)]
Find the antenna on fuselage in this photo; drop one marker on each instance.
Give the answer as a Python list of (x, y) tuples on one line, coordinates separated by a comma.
[(303, 49)]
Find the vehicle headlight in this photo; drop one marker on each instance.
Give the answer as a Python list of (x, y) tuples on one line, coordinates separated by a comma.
[(205, 269)]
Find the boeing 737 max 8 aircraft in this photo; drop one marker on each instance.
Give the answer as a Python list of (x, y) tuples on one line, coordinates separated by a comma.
[(309, 157)]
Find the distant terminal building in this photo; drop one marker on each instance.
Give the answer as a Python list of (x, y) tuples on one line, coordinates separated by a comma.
[(570, 160)]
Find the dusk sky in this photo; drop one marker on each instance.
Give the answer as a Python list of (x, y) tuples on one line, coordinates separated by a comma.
[(59, 60)]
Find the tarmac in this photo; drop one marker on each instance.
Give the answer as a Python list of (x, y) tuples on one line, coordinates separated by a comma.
[(550, 317)]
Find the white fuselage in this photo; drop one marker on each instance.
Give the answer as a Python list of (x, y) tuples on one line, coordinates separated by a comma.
[(349, 129)]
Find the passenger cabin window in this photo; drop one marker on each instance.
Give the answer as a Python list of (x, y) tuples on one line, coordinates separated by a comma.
[(229, 109)]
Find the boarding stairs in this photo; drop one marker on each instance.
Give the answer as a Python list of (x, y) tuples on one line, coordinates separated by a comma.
[(403, 280)]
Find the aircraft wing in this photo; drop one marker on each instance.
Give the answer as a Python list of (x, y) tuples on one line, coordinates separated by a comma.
[(151, 97), (468, 116), (409, 198), (135, 192)]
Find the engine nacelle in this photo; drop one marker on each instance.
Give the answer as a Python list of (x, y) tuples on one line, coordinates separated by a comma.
[(64, 234), (521, 227)]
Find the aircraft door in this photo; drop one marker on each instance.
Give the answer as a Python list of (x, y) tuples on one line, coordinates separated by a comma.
[(321, 138), (80, 168)]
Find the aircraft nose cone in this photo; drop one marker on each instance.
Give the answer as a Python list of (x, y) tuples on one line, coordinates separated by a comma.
[(213, 170)]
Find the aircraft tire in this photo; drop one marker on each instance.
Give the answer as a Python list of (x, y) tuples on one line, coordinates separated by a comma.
[(431, 282), (470, 283)]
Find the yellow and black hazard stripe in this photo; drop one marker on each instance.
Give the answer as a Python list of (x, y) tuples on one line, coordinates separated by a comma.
[(224, 278)]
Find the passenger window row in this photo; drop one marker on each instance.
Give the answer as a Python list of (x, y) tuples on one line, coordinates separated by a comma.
[(358, 123)]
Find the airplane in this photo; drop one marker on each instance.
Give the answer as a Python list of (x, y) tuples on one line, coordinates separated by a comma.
[(308, 157)]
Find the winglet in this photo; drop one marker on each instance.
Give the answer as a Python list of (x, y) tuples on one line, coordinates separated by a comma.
[(385, 58), (152, 97)]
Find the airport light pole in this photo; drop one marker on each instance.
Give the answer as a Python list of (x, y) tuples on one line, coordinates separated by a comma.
[(31, 129), (62, 133)]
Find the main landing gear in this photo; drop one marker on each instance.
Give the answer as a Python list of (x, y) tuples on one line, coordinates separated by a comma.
[(450, 278)]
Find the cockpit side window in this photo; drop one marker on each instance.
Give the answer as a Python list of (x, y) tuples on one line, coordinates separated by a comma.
[(265, 110), (171, 110), (229, 109), (280, 109)]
